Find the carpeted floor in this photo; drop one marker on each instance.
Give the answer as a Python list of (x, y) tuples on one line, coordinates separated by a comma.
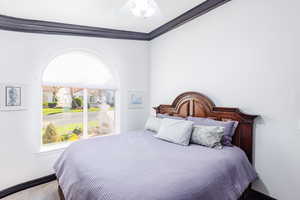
[(43, 192), (49, 192)]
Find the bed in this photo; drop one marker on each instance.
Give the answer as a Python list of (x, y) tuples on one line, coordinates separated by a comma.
[(138, 166)]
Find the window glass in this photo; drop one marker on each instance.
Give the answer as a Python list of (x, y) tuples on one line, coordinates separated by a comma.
[(101, 112), (62, 114)]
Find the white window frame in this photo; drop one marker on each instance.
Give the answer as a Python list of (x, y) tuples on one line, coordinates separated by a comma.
[(62, 145), (85, 113)]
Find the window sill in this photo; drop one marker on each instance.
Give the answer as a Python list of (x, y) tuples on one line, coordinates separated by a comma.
[(54, 148), (58, 148)]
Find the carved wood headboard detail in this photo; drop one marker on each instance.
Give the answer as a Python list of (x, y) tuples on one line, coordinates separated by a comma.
[(198, 105)]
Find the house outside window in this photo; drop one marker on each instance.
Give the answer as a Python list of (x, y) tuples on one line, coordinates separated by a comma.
[(78, 99)]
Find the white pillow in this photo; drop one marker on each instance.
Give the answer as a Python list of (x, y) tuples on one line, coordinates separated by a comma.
[(176, 131), (153, 124)]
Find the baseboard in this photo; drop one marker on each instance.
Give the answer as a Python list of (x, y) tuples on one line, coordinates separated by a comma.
[(27, 185), (46, 179), (259, 196)]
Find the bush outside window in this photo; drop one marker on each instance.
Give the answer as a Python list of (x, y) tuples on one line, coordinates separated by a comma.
[(71, 113)]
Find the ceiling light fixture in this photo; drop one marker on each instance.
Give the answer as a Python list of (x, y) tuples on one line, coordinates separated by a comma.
[(142, 8)]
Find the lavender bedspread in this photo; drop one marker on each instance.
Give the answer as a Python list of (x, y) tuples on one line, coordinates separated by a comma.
[(138, 166)]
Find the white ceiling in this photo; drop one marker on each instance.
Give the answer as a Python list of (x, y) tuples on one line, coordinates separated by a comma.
[(98, 13)]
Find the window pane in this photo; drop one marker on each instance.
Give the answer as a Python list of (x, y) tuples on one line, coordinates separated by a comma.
[(101, 112), (62, 114)]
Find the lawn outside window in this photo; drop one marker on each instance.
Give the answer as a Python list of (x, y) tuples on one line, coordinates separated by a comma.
[(71, 113)]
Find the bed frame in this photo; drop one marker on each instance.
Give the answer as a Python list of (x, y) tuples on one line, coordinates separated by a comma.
[(198, 105)]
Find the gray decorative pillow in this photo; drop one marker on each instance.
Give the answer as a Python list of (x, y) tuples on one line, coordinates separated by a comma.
[(229, 126), (176, 131), (153, 124), (169, 116), (209, 136)]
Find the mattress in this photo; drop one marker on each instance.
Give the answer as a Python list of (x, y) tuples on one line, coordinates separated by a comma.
[(138, 166)]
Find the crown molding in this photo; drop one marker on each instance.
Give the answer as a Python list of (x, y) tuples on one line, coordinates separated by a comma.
[(195, 12), (54, 28)]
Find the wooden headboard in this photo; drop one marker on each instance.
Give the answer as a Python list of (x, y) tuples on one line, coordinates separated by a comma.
[(198, 105)]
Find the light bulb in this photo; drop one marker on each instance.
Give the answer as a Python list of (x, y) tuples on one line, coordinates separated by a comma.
[(142, 8)]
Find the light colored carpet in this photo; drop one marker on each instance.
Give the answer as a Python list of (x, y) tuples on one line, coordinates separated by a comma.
[(43, 192)]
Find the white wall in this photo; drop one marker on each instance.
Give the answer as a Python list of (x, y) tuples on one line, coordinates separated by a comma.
[(22, 60), (244, 54)]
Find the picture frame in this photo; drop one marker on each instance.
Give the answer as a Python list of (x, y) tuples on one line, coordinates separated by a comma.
[(136, 99), (12, 97)]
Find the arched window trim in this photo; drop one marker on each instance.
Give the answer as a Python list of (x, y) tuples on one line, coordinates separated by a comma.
[(82, 70), (112, 85)]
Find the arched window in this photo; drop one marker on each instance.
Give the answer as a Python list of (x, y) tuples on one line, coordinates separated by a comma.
[(78, 98)]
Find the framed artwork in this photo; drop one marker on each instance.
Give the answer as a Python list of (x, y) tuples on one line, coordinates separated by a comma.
[(12, 97), (136, 99)]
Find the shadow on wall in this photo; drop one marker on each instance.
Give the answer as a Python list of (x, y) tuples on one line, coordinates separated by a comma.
[(258, 183), (262, 187)]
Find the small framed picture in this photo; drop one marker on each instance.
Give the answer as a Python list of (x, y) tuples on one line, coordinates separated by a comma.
[(12, 97), (136, 99)]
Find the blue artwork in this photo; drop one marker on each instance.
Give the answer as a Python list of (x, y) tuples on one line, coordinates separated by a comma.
[(136, 99)]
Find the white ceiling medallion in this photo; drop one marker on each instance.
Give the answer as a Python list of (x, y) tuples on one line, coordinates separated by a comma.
[(143, 8)]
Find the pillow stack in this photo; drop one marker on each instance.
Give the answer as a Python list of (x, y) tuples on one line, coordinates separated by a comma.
[(229, 127), (196, 130)]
